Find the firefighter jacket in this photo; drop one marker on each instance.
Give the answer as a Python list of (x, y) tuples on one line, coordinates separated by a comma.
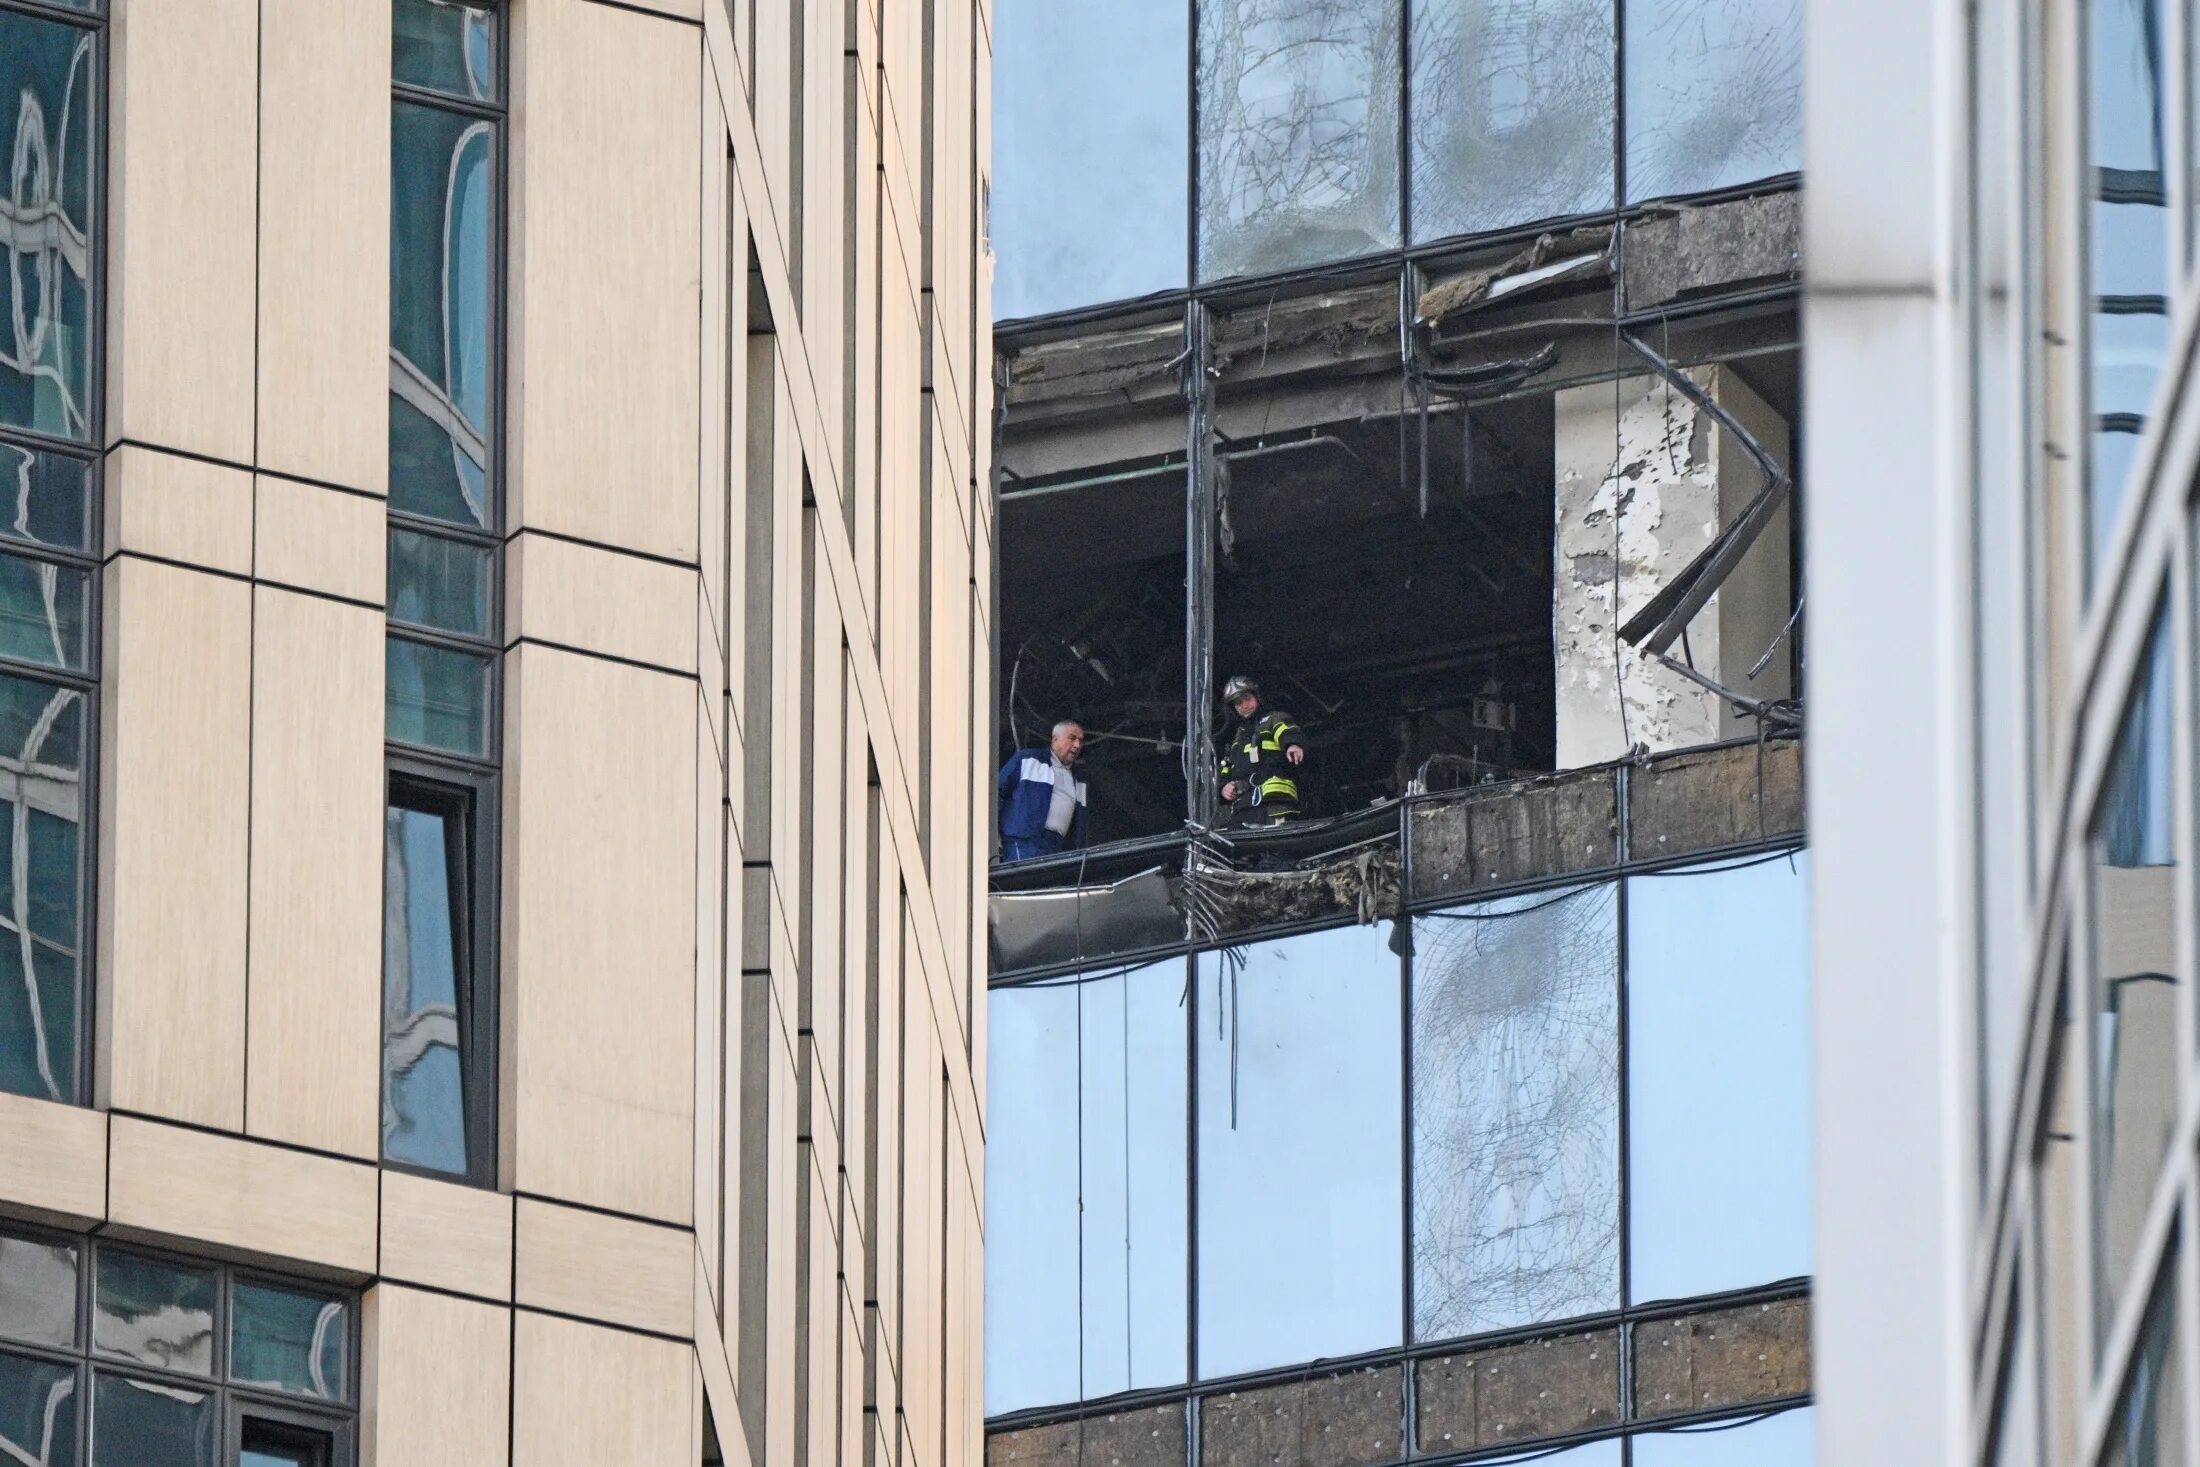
[(1254, 754)]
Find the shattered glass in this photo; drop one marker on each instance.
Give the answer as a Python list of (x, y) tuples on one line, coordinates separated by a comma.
[(1515, 1112), (1088, 191), (1298, 132), (1714, 94), (1512, 112)]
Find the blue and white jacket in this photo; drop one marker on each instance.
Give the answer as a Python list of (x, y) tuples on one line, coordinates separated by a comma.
[(1027, 794)]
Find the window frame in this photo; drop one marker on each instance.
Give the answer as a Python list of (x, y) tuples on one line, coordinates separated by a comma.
[(89, 451)]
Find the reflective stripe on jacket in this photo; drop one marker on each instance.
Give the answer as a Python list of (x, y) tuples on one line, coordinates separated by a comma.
[(1255, 755)]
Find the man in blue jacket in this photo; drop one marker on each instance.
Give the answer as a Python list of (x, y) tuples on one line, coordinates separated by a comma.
[(1042, 802)]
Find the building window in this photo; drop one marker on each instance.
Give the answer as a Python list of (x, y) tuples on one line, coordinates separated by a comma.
[(53, 70), (127, 1358), (445, 595)]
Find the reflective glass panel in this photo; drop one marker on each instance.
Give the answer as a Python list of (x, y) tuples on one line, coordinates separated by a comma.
[(1515, 1112), (1090, 156), (445, 47), (45, 498), (441, 583), (1298, 132), (438, 697), (288, 1341), (424, 958), (1714, 93), (154, 1312), (1087, 1076), (50, 75), (1512, 112), (38, 1292), (136, 1423), (1786, 1440), (1718, 1078), (442, 362), (44, 608), (38, 1403), (2127, 240), (2134, 921), (2148, 1425), (1299, 1150), (41, 882)]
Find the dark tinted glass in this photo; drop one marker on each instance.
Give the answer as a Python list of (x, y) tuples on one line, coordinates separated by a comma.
[(45, 498), (49, 74), (288, 1341), (44, 609), (1515, 1112), (1298, 132), (154, 1312), (440, 583), (438, 697), (1714, 93), (424, 978), (1512, 112), (445, 47), (442, 342), (1089, 152), (38, 1404), (138, 1423), (41, 881), (38, 1292), (2147, 1427)]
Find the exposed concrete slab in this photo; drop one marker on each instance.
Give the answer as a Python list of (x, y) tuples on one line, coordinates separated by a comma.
[(1345, 1420), (1147, 1436), (1516, 1393), (1758, 1352), (1515, 832), (1714, 248), (1708, 798)]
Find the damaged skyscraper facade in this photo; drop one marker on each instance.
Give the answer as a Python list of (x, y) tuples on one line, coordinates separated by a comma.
[(1435, 363)]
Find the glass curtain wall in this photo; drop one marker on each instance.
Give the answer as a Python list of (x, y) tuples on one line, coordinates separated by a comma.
[(1448, 1125), (53, 71)]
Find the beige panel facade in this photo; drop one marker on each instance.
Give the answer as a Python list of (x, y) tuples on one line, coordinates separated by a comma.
[(727, 509)]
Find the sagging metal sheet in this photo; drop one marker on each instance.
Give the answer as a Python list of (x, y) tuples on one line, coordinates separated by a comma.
[(1084, 924)]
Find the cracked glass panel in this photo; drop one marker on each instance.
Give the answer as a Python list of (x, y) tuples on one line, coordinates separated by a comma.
[(38, 1291), (38, 1410), (2133, 883), (1085, 1168), (425, 962), (154, 1312), (1714, 94), (1515, 1112), (2147, 1425), (49, 72), (41, 883), (1789, 1439), (1298, 132), (1512, 112), (1299, 1149), (442, 354), (288, 1341), (137, 1423), (1089, 152), (445, 47), (1718, 1065), (2127, 245)]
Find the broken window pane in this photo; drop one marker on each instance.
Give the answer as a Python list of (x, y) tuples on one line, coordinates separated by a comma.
[(2134, 901), (2127, 244), (1298, 132), (1089, 155), (1714, 93), (1512, 112), (1515, 1112), (1718, 1059), (1085, 1075), (1299, 1150), (1786, 1440)]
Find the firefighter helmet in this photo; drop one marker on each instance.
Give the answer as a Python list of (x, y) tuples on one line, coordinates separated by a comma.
[(1237, 687)]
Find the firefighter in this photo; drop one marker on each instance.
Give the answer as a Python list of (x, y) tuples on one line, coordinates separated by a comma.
[(1260, 758)]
